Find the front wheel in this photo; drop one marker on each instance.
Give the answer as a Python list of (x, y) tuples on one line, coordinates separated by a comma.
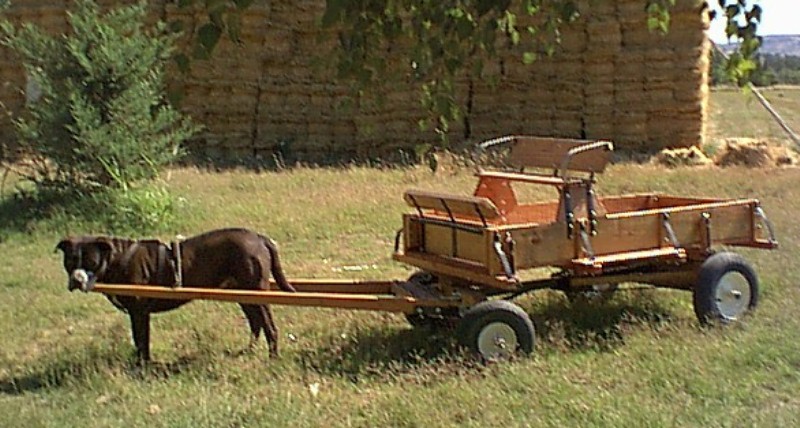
[(496, 330), (726, 289)]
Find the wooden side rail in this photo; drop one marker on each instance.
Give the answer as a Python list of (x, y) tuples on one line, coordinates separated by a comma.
[(452, 205)]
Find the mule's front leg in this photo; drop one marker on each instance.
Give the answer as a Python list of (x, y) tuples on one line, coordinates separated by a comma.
[(140, 326)]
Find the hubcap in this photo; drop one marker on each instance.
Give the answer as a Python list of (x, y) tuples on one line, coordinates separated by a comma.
[(733, 295), (497, 340)]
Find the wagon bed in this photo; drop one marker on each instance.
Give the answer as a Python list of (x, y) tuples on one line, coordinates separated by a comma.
[(489, 237)]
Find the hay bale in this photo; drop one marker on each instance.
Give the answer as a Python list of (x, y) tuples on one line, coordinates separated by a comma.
[(691, 156), (754, 153)]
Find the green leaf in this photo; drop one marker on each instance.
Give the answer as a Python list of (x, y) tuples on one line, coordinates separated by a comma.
[(529, 58), (208, 36), (235, 26), (182, 62), (176, 26), (243, 4)]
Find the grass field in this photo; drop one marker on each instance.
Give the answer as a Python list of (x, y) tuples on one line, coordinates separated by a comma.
[(639, 360)]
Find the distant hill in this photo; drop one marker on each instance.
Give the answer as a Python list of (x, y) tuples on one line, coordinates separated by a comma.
[(776, 45)]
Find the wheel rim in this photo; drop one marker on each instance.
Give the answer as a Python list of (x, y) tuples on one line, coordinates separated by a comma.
[(733, 295), (497, 341)]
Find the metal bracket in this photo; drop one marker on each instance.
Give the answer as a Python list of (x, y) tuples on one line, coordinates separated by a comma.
[(763, 216), (590, 208), (586, 243), (498, 249), (568, 214), (673, 239), (706, 218)]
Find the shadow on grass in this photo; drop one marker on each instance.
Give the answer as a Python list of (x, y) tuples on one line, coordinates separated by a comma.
[(18, 215), (80, 368), (598, 325), (560, 326)]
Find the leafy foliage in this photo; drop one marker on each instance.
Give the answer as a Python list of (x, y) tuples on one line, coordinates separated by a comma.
[(101, 128), (101, 120), (773, 69), (434, 43), (742, 25), (224, 18)]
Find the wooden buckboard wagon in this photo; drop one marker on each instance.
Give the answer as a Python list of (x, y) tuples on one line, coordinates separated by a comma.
[(475, 253)]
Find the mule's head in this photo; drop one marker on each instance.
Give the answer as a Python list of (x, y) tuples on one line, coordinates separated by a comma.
[(86, 259)]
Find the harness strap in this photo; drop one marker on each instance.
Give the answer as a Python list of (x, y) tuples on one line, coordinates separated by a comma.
[(177, 262)]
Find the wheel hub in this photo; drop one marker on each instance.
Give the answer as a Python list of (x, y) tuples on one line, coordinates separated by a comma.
[(733, 295), (497, 340)]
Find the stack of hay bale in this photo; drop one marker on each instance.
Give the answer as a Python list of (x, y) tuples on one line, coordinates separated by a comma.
[(277, 93)]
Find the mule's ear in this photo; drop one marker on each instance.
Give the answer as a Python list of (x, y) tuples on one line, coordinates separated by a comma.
[(105, 247), (63, 245)]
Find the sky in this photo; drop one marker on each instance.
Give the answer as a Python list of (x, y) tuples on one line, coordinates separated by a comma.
[(780, 17)]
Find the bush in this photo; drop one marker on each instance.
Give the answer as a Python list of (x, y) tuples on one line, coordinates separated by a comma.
[(102, 123)]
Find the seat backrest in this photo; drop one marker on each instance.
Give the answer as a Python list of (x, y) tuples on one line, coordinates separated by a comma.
[(540, 152), (469, 206)]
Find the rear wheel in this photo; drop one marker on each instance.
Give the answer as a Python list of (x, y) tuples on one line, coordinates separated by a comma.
[(496, 330), (726, 289)]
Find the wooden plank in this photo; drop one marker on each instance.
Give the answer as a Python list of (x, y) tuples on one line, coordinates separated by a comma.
[(699, 207), (388, 303), (462, 205), (438, 240), (545, 245), (470, 272), (538, 152), (525, 178), (657, 254), (345, 286)]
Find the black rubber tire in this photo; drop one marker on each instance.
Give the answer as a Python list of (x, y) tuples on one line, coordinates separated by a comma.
[(706, 302), (488, 313), (427, 321)]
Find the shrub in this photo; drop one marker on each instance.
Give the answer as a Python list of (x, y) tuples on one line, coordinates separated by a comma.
[(102, 122)]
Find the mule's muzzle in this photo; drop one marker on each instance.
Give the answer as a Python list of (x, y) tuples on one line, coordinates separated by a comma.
[(81, 280)]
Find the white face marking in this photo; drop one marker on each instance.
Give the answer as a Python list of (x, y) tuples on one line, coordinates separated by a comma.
[(80, 276)]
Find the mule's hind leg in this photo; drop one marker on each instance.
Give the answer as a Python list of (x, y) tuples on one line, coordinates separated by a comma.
[(260, 318), (270, 330), (255, 319)]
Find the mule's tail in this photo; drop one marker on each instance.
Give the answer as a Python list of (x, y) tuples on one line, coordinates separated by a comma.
[(277, 270)]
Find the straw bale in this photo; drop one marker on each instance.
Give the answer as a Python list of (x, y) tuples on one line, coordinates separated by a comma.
[(574, 39), (601, 9), (635, 36), (691, 156), (689, 5)]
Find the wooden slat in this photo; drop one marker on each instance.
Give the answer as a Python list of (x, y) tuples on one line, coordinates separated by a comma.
[(471, 272), (457, 204), (597, 263), (525, 178), (347, 286), (538, 152), (388, 303)]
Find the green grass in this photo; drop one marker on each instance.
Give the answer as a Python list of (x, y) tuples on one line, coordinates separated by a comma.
[(736, 113), (639, 360)]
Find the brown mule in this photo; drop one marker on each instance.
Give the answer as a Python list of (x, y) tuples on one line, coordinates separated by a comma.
[(224, 258)]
